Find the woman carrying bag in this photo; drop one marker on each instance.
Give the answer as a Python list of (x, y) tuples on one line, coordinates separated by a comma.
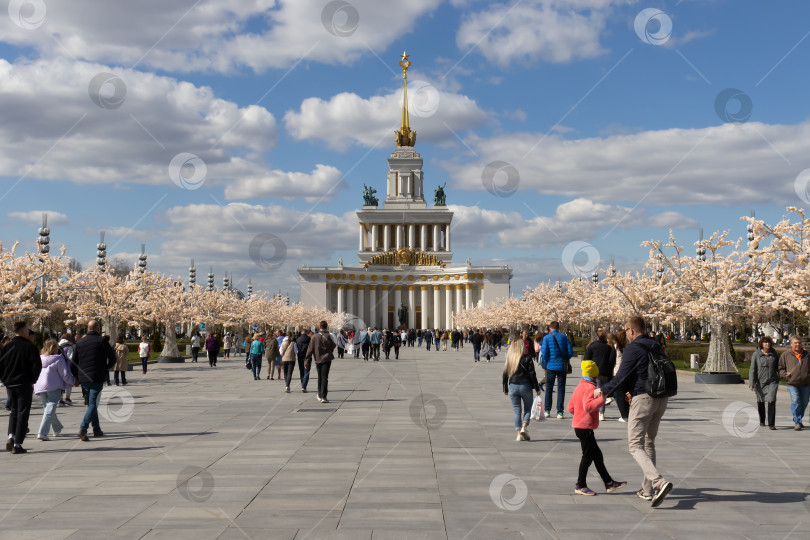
[(519, 380), (763, 380)]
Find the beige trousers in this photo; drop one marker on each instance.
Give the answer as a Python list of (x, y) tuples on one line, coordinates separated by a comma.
[(642, 428)]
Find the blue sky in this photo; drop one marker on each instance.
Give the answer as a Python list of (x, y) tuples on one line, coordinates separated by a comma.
[(613, 135)]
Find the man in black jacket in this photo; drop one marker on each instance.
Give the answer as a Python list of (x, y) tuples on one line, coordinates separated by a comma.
[(19, 370), (604, 356), (92, 360), (475, 339), (645, 410), (303, 369)]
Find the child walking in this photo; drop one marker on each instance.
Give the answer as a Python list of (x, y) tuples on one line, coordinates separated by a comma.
[(585, 410)]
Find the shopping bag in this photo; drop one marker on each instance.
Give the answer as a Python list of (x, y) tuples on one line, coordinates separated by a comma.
[(537, 409), (350, 348)]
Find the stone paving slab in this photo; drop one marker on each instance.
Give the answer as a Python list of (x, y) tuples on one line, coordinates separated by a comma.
[(417, 448)]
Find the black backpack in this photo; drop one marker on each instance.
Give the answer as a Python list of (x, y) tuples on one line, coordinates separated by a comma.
[(662, 380)]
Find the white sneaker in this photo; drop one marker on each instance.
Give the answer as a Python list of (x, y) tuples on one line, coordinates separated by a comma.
[(601, 416), (43, 438), (319, 399), (324, 400), (519, 438), (608, 401), (524, 435), (622, 420)]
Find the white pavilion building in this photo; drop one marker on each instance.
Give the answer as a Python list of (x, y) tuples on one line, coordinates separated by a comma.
[(404, 253)]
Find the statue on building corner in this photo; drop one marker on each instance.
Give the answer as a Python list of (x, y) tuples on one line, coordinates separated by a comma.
[(440, 198), (402, 315), (368, 196)]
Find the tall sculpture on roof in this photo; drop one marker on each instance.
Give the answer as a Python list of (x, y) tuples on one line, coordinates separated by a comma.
[(405, 136)]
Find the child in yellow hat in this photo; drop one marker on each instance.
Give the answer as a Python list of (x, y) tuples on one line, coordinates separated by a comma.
[(585, 409)]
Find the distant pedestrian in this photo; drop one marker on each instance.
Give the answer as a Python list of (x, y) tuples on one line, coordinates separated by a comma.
[(618, 341), (301, 346), (556, 352), (428, 335), (794, 367), (93, 359), (227, 343), (212, 348), (320, 348), (519, 380), (476, 339), (195, 346), (445, 339), (288, 358), (365, 342), (54, 377), (121, 360), (487, 349), (256, 353), (397, 343), (67, 345), (763, 379), (143, 352), (20, 365), (584, 407), (341, 340), (376, 341), (273, 356)]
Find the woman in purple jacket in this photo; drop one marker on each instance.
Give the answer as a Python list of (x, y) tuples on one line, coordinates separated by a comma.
[(54, 377), (212, 346)]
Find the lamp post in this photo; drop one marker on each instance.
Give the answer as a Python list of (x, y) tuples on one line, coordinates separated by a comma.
[(101, 253), (142, 259), (701, 251), (595, 277), (192, 275), (44, 240), (250, 289), (211, 279), (226, 283)]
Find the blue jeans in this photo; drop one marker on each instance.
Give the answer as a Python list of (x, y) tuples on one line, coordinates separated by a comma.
[(521, 394), (303, 372), (799, 396), (49, 402), (551, 376), (144, 361), (256, 362), (477, 352), (91, 415)]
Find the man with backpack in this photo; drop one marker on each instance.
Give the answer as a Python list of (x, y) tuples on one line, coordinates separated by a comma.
[(645, 410)]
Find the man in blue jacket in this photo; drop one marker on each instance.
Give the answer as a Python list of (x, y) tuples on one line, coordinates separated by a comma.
[(556, 351), (645, 410)]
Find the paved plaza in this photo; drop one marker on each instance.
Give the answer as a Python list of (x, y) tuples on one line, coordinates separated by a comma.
[(420, 447)]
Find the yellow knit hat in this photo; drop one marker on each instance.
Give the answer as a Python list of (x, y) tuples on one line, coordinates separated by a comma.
[(589, 369)]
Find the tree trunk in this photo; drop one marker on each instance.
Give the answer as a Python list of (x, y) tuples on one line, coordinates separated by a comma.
[(109, 326), (719, 359), (170, 346)]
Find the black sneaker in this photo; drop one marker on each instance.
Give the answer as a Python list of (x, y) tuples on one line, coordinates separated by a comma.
[(9, 445), (98, 433), (83, 435), (660, 492), (19, 450)]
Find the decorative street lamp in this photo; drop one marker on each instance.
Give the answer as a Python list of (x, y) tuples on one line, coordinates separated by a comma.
[(751, 244), (142, 259), (612, 270), (101, 254), (701, 251), (595, 277), (192, 274), (211, 279), (44, 236), (250, 289), (226, 283), (659, 269)]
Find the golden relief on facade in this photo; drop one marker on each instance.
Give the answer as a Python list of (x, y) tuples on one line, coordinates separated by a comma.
[(404, 257)]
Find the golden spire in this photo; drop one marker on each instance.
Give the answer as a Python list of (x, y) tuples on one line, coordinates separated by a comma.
[(405, 136)]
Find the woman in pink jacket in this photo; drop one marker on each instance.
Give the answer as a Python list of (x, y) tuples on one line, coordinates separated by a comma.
[(585, 409), (54, 377)]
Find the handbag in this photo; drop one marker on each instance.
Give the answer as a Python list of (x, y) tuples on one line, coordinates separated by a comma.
[(566, 359), (537, 409)]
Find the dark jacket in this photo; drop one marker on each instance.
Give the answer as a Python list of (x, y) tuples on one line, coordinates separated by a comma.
[(524, 374), (212, 344), (603, 355), (632, 373), (303, 344), (92, 359), (476, 338), (20, 363), (799, 374), (321, 347)]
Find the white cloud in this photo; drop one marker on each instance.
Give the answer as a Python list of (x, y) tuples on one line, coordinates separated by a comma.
[(35, 217), (188, 35), (53, 129), (557, 31), (322, 183), (348, 118), (730, 164)]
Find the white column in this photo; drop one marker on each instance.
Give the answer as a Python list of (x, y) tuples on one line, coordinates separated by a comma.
[(361, 293), (375, 237), (435, 238), (423, 237), (399, 236), (386, 237), (459, 300), (360, 248), (448, 308), (411, 237), (397, 303), (468, 293), (447, 237), (411, 306), (425, 308), (437, 306), (340, 299), (372, 306), (349, 298), (382, 310)]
